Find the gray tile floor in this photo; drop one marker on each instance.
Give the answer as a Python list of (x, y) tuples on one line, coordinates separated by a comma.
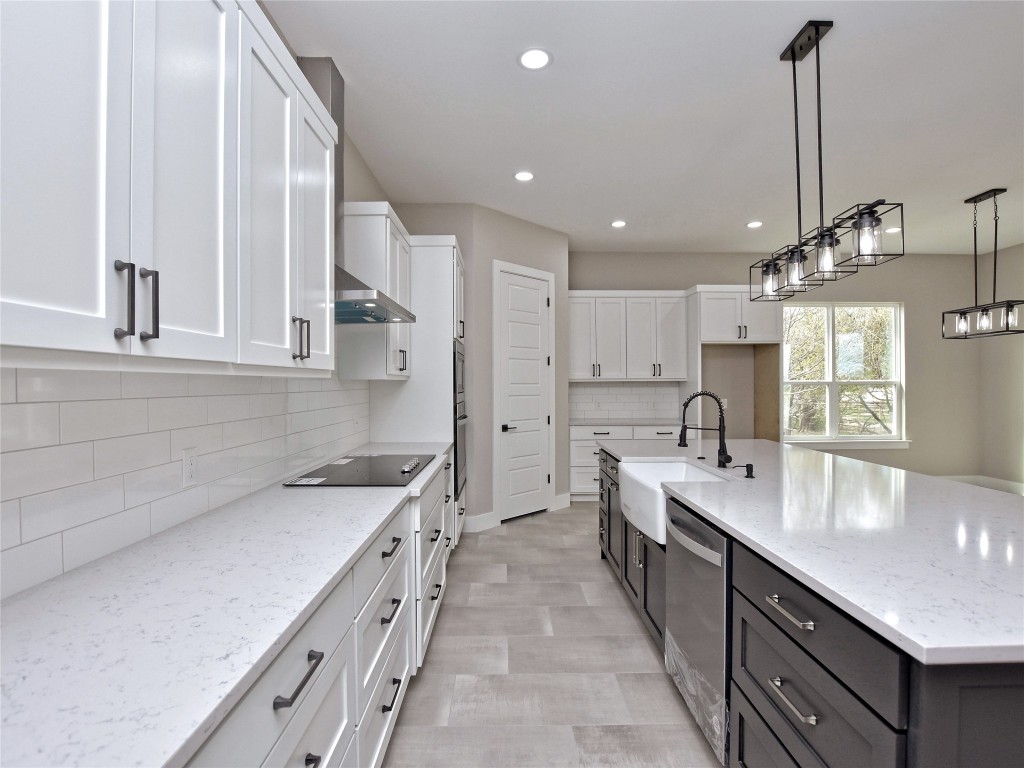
[(539, 659)]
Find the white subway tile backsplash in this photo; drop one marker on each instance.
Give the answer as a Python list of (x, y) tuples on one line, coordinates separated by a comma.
[(101, 537), (44, 469), (8, 385), (298, 401), (176, 412), (214, 466), (29, 425), (25, 566), (154, 384), (127, 454), (37, 386), (10, 524), (228, 408), (54, 511), (305, 385), (223, 384), (99, 419), (172, 510), (269, 405), (238, 433), (228, 489), (146, 485), (273, 426), (205, 439)]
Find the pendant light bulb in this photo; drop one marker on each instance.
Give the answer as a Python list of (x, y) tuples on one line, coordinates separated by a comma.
[(985, 320), (867, 236), (796, 260), (826, 247), (1009, 317), (769, 278), (961, 323)]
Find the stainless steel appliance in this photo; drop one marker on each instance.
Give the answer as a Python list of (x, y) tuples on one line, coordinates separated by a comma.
[(371, 469), (461, 418), (698, 575)]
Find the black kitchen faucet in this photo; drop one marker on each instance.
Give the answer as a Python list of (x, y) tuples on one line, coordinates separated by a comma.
[(723, 455)]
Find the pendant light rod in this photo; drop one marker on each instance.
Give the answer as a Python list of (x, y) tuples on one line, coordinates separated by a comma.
[(796, 134), (821, 181), (990, 194)]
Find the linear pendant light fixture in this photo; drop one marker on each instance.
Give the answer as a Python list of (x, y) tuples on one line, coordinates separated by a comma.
[(869, 229), (999, 318)]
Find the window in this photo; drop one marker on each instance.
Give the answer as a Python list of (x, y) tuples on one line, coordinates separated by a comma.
[(842, 372)]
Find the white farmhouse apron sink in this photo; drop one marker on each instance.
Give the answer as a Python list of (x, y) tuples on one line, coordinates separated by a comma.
[(643, 501)]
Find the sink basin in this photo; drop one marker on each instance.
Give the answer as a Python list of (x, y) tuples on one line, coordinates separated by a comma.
[(643, 501)]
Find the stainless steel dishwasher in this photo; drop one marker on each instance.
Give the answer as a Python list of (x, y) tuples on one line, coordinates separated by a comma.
[(698, 565)]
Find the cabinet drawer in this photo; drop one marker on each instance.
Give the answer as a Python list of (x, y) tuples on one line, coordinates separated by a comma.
[(351, 756), (584, 480), (751, 742), (429, 497), (427, 607), (656, 433), (247, 734), (326, 723), (379, 621), (374, 563), (600, 433), (377, 723), (429, 542), (875, 671), (775, 673), (583, 453)]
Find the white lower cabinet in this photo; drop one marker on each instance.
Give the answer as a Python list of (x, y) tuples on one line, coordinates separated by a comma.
[(427, 606), (378, 721)]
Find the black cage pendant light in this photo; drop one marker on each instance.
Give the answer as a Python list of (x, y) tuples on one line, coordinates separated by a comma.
[(998, 318)]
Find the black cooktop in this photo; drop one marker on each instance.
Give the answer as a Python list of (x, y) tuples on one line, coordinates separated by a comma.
[(365, 470)]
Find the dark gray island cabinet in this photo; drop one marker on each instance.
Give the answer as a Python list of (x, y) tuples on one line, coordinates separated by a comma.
[(810, 686)]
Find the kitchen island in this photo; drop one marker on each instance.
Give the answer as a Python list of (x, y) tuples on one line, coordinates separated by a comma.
[(932, 567)]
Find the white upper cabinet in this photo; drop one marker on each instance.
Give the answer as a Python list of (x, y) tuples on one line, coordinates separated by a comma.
[(65, 144), (184, 182), (729, 316), (459, 329), (656, 337), (598, 338), (155, 179)]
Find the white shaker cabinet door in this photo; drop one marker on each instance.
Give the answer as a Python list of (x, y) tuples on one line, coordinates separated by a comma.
[(315, 239), (720, 317), (610, 334), (267, 249), (672, 338), (184, 183), (641, 338), (460, 298), (762, 320), (582, 344), (65, 144)]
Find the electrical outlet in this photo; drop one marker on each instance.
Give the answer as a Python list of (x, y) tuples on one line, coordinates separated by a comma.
[(188, 467), (725, 403)]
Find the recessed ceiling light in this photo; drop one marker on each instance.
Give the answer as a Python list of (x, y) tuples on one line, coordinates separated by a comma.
[(618, 223), (892, 230), (524, 176), (535, 58), (754, 224)]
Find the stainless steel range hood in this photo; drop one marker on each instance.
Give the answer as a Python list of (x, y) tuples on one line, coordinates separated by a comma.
[(356, 302)]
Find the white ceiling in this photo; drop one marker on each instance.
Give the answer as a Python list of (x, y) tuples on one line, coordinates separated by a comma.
[(678, 116)]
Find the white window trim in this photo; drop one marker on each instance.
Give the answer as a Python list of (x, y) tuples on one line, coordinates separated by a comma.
[(899, 440)]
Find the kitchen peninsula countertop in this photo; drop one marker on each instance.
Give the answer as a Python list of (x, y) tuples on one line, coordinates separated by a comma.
[(135, 658), (579, 421), (934, 566)]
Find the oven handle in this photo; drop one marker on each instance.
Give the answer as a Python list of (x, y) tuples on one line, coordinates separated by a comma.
[(463, 417), (692, 546)]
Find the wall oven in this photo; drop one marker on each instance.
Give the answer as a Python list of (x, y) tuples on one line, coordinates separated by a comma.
[(461, 418)]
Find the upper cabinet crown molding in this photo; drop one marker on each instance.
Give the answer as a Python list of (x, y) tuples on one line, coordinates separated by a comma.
[(140, 259)]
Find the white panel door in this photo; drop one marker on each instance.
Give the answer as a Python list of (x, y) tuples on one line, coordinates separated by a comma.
[(267, 247), (65, 149), (641, 332), (720, 317), (582, 345), (524, 396), (671, 338), (184, 184), (762, 320), (610, 336), (315, 197)]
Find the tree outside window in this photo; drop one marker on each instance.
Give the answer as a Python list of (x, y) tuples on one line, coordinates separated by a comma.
[(840, 369)]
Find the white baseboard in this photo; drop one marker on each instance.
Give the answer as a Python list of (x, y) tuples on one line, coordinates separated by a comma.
[(584, 497), (560, 502), (477, 523)]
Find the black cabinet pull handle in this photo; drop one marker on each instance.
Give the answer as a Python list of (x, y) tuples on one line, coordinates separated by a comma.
[(597, 453), (593, 369), (463, 417), (313, 658), (448, 465), (462, 329), (745, 332), (395, 602), (597, 479), (298, 356), (398, 686), (599, 370), (121, 266), (447, 498), (659, 369), (395, 540), (309, 337), (405, 360), (739, 331), (313, 761), (507, 428), (155, 274), (437, 594), (462, 512), (602, 433), (447, 541), (664, 433), (438, 536), (654, 369)]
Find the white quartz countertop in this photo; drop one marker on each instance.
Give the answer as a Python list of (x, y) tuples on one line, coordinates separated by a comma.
[(934, 566), (134, 659), (656, 422)]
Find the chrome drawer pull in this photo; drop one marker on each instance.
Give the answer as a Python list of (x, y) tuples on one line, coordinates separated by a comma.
[(388, 619), (313, 658), (777, 687), (773, 601)]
